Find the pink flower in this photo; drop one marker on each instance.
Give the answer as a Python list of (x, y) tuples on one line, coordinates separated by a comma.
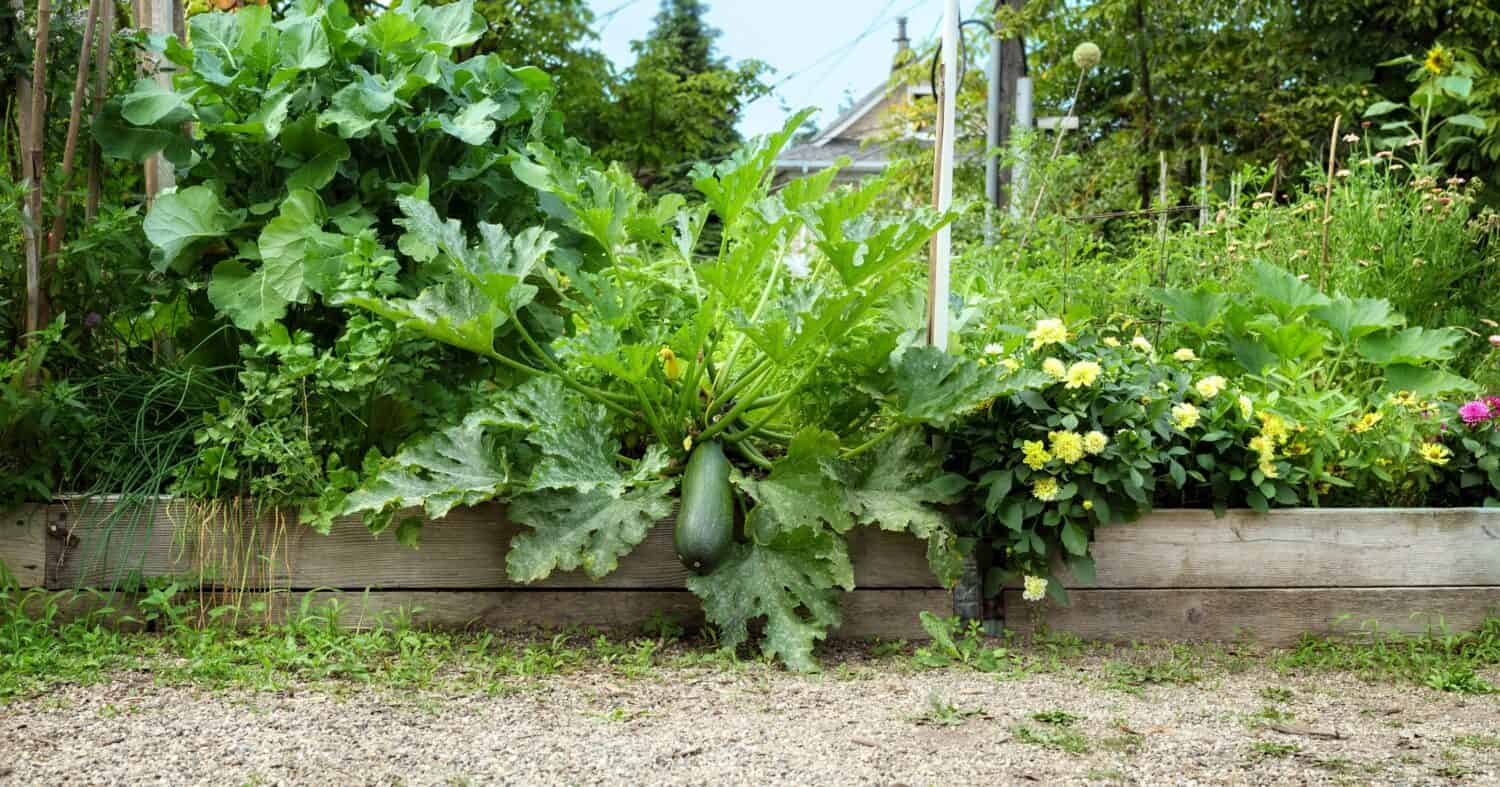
[(1495, 340), (1475, 412)]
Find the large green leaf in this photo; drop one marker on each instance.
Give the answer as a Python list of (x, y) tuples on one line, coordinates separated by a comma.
[(1353, 318), (904, 482), (792, 582), (293, 245), (453, 312), (1415, 346), (251, 298), (803, 490), (1197, 308), (153, 104), (1287, 295), (589, 530), (183, 222), (1425, 382), (304, 44), (932, 387), (450, 26), (472, 124), (460, 465), (317, 154), (121, 139), (360, 106), (577, 448)]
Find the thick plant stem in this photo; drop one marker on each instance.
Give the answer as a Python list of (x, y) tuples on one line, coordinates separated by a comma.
[(612, 401), (754, 455), (872, 442), (765, 419), (738, 385), (75, 119)]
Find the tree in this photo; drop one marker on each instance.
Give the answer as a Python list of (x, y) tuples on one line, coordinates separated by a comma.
[(680, 101)]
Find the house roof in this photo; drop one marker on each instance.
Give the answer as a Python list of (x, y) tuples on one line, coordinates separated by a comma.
[(824, 149)]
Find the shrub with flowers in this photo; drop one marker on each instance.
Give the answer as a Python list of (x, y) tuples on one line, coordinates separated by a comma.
[(1117, 426)]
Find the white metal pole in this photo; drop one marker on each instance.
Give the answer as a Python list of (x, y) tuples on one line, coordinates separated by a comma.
[(1020, 137), (937, 290)]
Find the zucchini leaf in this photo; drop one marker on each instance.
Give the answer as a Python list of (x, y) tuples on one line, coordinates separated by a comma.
[(589, 530), (793, 582), (801, 491), (897, 492)]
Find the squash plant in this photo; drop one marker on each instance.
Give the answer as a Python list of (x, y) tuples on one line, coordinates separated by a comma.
[(782, 351)]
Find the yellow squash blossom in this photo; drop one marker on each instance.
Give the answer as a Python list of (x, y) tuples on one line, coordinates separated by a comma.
[(670, 365), (1082, 374), (1035, 454), (1095, 443), (1050, 331), (1184, 416), (1044, 489), (1054, 368), (1436, 453), (1211, 386), (1067, 446)]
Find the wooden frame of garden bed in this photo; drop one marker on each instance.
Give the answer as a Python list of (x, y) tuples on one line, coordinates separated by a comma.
[(455, 579), (1270, 578)]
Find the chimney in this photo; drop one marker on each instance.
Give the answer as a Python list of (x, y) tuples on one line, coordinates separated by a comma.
[(903, 46)]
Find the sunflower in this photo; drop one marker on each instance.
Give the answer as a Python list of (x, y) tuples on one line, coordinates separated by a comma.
[(1438, 60)]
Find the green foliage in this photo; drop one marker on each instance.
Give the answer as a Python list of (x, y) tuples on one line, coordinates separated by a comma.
[(1438, 658)]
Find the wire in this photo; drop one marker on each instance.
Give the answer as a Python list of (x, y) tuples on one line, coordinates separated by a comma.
[(841, 52), (607, 17)]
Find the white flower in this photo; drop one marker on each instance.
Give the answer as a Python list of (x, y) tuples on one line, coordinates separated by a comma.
[(993, 349), (797, 265), (1140, 343), (1035, 589), (1211, 386), (1185, 354)]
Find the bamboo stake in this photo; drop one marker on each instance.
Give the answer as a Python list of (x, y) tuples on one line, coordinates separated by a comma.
[(1161, 239), (101, 88), (937, 272), (33, 153), (1333, 157), (75, 119), (1203, 184)]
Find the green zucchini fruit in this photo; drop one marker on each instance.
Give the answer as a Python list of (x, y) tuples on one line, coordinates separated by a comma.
[(705, 520)]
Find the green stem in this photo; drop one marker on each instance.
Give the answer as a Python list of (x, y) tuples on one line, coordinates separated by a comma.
[(756, 457), (765, 297), (738, 385), (874, 441), (652, 417), (609, 400), (766, 419)]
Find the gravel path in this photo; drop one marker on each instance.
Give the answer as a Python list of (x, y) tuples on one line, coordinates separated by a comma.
[(866, 723)]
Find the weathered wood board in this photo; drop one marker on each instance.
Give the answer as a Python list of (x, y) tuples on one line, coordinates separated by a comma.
[(23, 545), (888, 614), (465, 551), (1269, 616), (1299, 548)]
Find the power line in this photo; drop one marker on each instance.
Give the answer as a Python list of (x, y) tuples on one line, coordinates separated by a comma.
[(609, 16)]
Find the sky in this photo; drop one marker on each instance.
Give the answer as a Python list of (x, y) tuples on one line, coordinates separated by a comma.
[(822, 50)]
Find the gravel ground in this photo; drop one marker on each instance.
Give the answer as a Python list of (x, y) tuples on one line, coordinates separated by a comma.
[(866, 723)]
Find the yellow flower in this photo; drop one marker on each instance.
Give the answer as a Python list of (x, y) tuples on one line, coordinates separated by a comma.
[(1246, 408), (1095, 443), (1436, 453), (1054, 368), (1438, 60), (1082, 374), (1185, 354), (1088, 505), (1047, 332), (687, 443), (1273, 427), (1036, 456), (1262, 446), (1067, 446), (1010, 363), (1365, 423), (1110, 341), (1209, 387), (1406, 399), (1298, 448), (1268, 469), (1184, 416), (1044, 489), (1140, 343), (1035, 589), (670, 366)]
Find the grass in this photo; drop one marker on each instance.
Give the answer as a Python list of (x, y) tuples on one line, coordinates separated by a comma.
[(1057, 738), (1264, 750), (1438, 659), (942, 713)]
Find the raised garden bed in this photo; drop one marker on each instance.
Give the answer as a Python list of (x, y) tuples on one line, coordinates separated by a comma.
[(456, 578), (1270, 578)]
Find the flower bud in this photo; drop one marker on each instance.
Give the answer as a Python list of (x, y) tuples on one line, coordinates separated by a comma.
[(1086, 55)]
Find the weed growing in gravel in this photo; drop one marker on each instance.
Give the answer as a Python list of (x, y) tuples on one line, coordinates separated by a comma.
[(1269, 714), (1276, 694), (1179, 667), (1058, 738), (1272, 750), (1439, 659), (1479, 742), (1060, 718), (942, 713)]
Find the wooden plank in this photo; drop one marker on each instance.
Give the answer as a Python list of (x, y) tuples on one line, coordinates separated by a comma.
[(888, 614), (1300, 548), (465, 550), (23, 545), (1273, 616)]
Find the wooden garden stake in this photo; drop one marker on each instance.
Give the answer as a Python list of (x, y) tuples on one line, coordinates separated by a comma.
[(937, 270), (101, 86), (1203, 185), (32, 153), (1333, 157), (75, 119)]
